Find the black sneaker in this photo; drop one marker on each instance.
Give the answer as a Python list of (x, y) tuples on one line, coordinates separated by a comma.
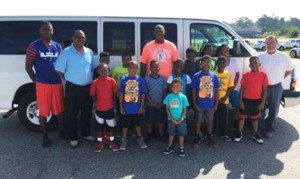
[(46, 141), (257, 138), (148, 138), (181, 152), (211, 142), (196, 142), (239, 137), (168, 150), (226, 138)]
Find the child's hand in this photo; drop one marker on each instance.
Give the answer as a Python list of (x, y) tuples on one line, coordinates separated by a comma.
[(215, 107), (197, 108), (122, 110), (140, 110), (222, 100), (242, 106), (260, 107)]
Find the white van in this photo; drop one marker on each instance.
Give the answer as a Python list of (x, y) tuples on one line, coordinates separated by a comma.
[(112, 34)]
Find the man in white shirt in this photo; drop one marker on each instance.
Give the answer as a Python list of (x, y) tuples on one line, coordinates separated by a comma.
[(277, 65)]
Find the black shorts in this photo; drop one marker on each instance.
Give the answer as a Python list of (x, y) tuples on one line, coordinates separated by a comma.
[(108, 118), (128, 120), (250, 109), (154, 115)]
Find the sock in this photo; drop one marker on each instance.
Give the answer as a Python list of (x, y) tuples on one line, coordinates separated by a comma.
[(99, 139), (111, 138)]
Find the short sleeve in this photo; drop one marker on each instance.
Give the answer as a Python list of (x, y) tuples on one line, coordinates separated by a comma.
[(61, 62), (93, 88)]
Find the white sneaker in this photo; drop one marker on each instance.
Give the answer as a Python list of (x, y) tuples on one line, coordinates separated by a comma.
[(74, 143)]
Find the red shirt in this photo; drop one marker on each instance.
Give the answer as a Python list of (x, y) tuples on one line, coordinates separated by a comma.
[(104, 88), (253, 83)]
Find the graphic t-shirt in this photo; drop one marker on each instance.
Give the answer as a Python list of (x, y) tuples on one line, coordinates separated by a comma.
[(225, 83), (132, 89), (118, 73), (206, 86), (176, 104)]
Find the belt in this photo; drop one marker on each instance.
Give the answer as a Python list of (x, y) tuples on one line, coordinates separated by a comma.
[(274, 86)]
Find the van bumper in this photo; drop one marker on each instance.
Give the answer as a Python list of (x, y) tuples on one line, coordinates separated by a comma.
[(290, 98)]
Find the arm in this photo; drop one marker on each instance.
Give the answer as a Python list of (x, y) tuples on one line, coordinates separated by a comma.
[(223, 99), (242, 106), (263, 100), (60, 74), (143, 70), (170, 116), (29, 70), (142, 104), (120, 102), (194, 100), (183, 115), (236, 79), (287, 73), (216, 99)]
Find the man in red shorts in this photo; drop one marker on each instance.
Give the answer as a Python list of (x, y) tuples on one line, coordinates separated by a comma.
[(42, 55)]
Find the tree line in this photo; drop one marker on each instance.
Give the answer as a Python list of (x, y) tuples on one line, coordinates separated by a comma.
[(270, 25)]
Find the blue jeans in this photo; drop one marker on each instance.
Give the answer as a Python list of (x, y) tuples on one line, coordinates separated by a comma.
[(274, 95)]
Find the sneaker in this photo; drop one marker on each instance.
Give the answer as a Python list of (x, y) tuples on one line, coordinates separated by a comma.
[(46, 141), (238, 137), (202, 137), (123, 144), (226, 138), (74, 143), (168, 150), (268, 135), (89, 138), (211, 142), (114, 146), (99, 146), (181, 152), (257, 138), (196, 142), (141, 143)]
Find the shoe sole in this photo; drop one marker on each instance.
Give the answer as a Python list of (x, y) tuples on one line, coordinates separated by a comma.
[(182, 155), (167, 153), (238, 140), (97, 151), (257, 141), (122, 149)]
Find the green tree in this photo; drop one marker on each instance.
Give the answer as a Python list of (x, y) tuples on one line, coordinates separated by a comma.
[(293, 32), (267, 23), (243, 23)]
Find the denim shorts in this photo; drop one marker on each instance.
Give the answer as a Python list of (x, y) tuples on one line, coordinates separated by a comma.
[(179, 130)]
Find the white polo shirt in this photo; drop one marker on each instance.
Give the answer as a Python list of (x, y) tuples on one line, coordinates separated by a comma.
[(275, 66)]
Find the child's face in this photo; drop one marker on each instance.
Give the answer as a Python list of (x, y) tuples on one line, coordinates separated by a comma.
[(208, 51), (205, 64), (191, 56), (125, 60), (132, 70), (154, 68), (225, 51), (178, 67), (102, 71), (254, 64), (176, 88), (222, 64), (105, 60)]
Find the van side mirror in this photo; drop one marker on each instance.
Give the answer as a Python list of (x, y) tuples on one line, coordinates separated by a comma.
[(236, 49)]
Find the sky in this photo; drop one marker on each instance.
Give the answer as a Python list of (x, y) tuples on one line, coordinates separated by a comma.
[(228, 11)]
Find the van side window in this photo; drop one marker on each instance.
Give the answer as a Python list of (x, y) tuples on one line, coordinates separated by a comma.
[(147, 30), (15, 36), (119, 37), (201, 34)]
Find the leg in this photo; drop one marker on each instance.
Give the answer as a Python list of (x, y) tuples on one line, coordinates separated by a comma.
[(86, 112)]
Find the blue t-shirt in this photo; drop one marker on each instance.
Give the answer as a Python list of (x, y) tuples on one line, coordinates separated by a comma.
[(206, 86), (77, 67), (44, 61), (132, 89), (156, 88), (176, 104)]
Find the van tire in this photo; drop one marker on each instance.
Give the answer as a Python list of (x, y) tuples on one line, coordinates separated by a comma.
[(28, 114)]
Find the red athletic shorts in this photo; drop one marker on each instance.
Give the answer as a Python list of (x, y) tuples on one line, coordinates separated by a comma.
[(50, 97)]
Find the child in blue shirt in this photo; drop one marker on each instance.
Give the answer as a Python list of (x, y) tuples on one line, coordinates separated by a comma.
[(205, 85), (132, 92), (176, 104)]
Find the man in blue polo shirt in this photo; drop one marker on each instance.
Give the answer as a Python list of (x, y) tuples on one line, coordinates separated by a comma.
[(76, 65)]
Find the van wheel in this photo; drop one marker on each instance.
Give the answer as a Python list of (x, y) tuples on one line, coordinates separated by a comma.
[(28, 114)]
